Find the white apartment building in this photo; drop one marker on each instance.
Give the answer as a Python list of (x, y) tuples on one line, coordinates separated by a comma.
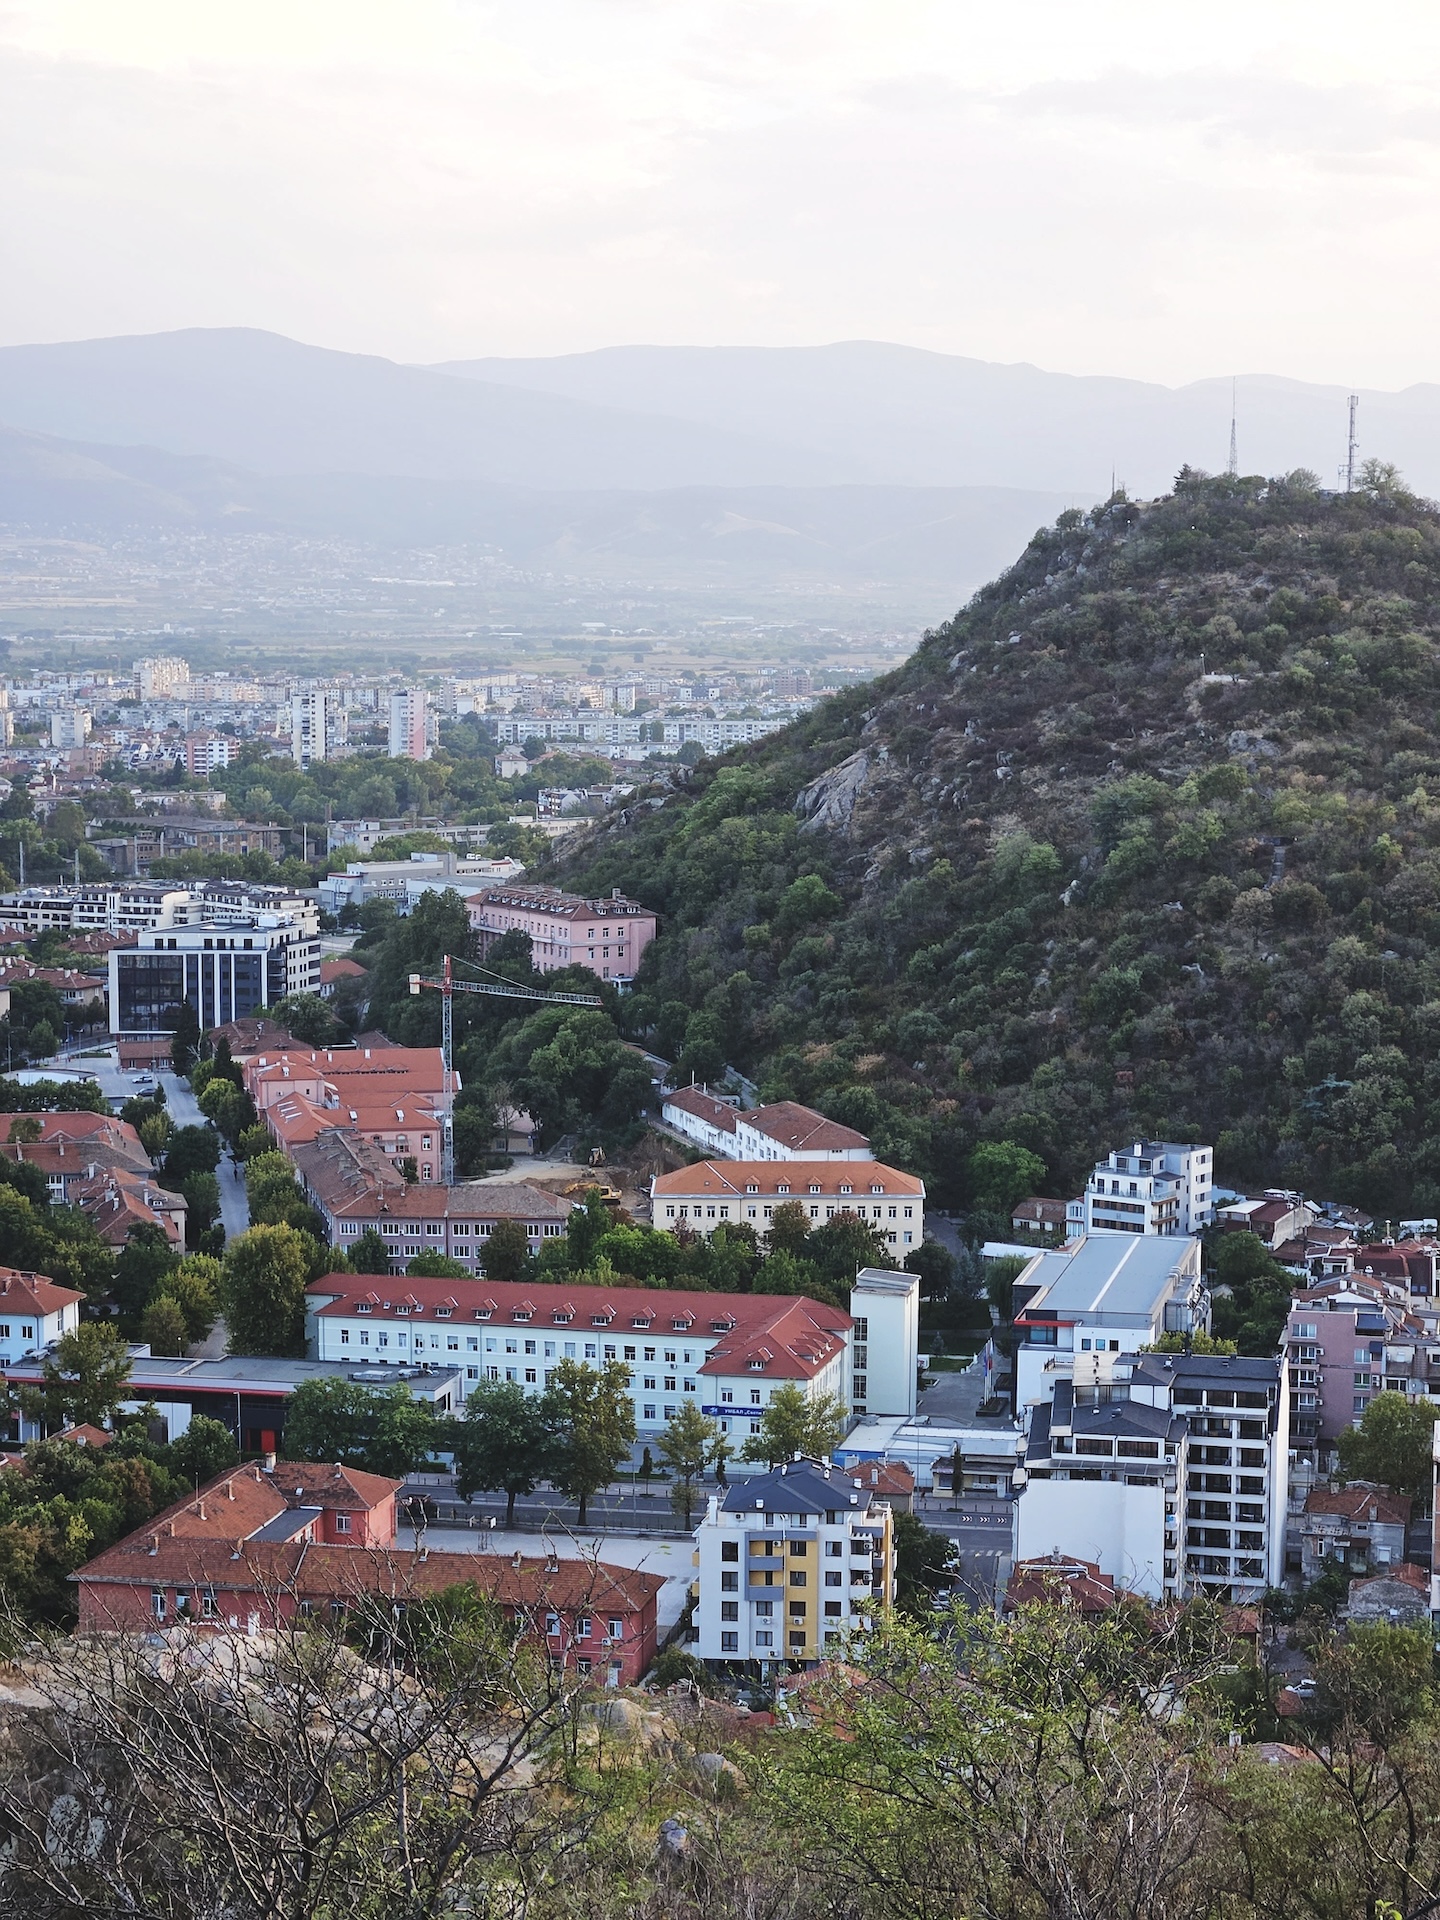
[(726, 1353), (790, 1562), (206, 751), (1101, 1294), (714, 1192), (319, 725), (409, 724), (70, 726), (404, 881), (163, 677), (784, 1131), (1151, 1186), (134, 905), (1170, 1472)]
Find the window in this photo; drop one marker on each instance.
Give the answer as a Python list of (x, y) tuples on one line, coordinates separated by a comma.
[(730, 1642), (582, 1627), (157, 1602), (729, 1609), (834, 1579), (615, 1627), (552, 1625), (729, 1582), (764, 1638), (797, 1577), (344, 1336), (729, 1549), (797, 1547), (342, 1523)]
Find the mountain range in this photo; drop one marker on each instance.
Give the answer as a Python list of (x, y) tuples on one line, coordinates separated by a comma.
[(855, 461)]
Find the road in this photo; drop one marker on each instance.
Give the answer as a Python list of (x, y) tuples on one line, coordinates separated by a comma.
[(184, 1110)]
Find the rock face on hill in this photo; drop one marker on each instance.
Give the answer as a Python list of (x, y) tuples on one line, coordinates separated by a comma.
[(1145, 840)]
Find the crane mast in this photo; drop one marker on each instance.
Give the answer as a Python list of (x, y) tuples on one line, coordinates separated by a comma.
[(447, 986)]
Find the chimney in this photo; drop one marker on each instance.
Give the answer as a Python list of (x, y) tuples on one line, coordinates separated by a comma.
[(154, 1546), (267, 1463)]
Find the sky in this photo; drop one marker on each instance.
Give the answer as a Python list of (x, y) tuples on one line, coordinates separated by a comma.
[(1164, 191)]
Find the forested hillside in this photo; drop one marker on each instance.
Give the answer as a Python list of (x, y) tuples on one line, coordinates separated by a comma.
[(1146, 839)]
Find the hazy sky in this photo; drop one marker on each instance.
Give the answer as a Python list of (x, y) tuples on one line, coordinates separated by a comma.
[(1167, 190)]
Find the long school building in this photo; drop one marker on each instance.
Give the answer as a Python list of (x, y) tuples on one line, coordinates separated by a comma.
[(715, 1193), (725, 1353)]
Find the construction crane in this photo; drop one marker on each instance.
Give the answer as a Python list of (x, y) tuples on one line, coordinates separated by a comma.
[(447, 986)]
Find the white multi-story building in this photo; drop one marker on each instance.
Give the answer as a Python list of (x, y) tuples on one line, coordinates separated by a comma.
[(790, 1562), (223, 968), (131, 906), (1101, 1295), (784, 1131), (206, 751), (885, 1307), (409, 724), (70, 727), (1170, 1472), (163, 677), (319, 725), (1151, 1186), (725, 1352)]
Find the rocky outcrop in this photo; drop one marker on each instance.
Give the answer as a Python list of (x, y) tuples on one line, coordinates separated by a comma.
[(830, 800)]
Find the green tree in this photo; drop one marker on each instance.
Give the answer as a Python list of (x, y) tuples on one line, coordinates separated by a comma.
[(307, 1017), (506, 1254), (144, 1260), (83, 1379), (438, 1266), (185, 1040), (405, 1433), (369, 1254), (194, 1286), (154, 1133), (595, 1426), (686, 1447), (330, 1418), (204, 1450), (162, 1327), (262, 1290), (201, 1192), (191, 1150), (925, 1563), (505, 1443), (840, 1248), (228, 1108), (1391, 1445), (789, 1230), (794, 1424), (998, 1173)]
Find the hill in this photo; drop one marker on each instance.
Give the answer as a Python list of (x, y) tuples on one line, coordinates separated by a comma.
[(1145, 840)]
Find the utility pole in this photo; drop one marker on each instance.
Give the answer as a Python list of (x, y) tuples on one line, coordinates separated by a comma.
[(1352, 448)]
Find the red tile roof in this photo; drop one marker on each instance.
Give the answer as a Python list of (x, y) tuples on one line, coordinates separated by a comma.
[(801, 1128), (1057, 1580), (786, 1180), (792, 1338), (342, 967), (24, 1292), (1361, 1503), (1409, 1574), (704, 1106)]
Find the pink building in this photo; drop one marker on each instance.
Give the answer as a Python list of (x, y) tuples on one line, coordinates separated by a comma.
[(608, 936)]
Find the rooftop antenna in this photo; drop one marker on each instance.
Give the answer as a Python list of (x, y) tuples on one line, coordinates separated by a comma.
[(1234, 466), (1351, 449)]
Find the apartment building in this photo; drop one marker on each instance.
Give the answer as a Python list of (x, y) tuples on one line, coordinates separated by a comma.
[(70, 1147), (1359, 1528), (133, 906), (1101, 1294), (409, 724), (1149, 1187), (319, 725), (161, 677), (712, 1193), (409, 1132), (1347, 1340), (1170, 1472), (223, 969), (403, 882), (884, 1371), (726, 1353), (207, 751), (784, 1131), (789, 1563), (608, 936), (70, 726)]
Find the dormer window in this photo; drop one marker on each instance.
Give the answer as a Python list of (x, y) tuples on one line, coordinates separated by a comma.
[(482, 1313), (845, 1189), (641, 1320), (783, 1187), (875, 1188), (521, 1313), (752, 1186), (363, 1306), (601, 1319), (443, 1313), (562, 1316), (756, 1366)]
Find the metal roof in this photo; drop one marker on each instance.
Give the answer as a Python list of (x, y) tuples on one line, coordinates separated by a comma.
[(1117, 1276)]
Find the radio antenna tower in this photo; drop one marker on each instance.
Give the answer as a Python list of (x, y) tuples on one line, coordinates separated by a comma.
[(1234, 466), (1352, 448)]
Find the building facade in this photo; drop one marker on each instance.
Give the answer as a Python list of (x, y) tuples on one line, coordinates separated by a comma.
[(713, 1193), (1149, 1187), (409, 724), (884, 1374), (222, 969), (725, 1353), (789, 1563), (34, 1314), (785, 1131), (319, 726), (608, 936)]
